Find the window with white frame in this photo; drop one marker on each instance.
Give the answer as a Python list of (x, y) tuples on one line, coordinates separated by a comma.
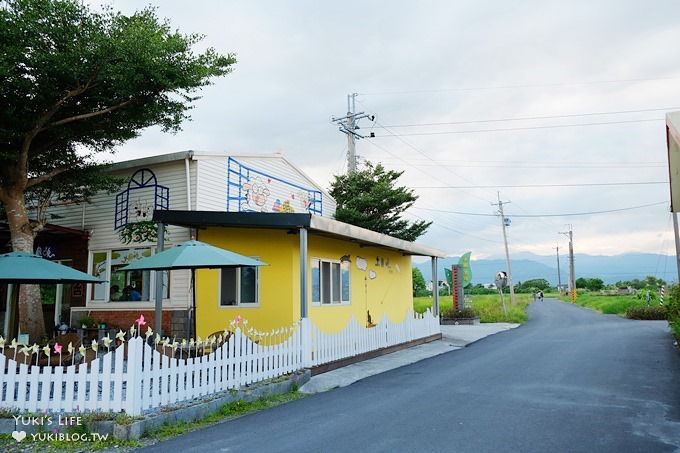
[(330, 282), (239, 286), (122, 285)]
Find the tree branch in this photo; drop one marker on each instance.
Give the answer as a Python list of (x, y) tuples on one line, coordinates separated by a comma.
[(46, 177), (85, 116), (40, 123)]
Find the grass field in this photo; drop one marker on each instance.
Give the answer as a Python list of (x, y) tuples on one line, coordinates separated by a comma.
[(488, 307), (611, 305)]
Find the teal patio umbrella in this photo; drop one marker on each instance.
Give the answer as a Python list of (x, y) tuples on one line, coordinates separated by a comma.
[(23, 267), (192, 255), (26, 268)]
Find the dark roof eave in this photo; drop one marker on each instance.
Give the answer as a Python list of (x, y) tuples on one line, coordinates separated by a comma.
[(199, 219), (318, 225)]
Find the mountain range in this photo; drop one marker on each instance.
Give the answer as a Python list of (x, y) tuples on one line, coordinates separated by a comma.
[(526, 266)]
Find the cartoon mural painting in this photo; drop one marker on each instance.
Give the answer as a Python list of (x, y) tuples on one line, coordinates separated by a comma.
[(303, 199), (251, 190), (282, 207), (256, 195)]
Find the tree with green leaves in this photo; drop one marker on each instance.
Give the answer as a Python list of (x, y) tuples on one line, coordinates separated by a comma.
[(419, 284), (535, 284), (76, 83), (591, 284), (369, 198)]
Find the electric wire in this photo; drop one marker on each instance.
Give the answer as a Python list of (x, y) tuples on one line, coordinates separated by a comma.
[(528, 186), (532, 85), (529, 118), (525, 128), (548, 215)]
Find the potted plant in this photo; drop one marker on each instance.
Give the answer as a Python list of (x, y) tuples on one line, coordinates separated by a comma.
[(88, 321)]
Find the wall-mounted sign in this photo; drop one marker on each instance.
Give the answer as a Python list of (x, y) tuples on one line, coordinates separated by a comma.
[(77, 290)]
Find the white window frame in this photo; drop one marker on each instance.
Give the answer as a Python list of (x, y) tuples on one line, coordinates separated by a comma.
[(106, 286), (238, 278), (334, 277)]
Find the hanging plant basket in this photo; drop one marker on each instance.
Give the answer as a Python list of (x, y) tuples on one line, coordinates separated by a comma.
[(144, 231)]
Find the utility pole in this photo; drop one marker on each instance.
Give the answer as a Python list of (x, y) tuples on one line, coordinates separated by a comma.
[(348, 125), (559, 276), (677, 242), (572, 278), (504, 223)]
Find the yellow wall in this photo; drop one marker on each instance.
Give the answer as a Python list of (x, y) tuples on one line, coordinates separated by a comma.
[(382, 285), (277, 285), (389, 292)]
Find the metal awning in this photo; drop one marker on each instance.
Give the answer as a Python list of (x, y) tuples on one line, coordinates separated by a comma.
[(317, 225)]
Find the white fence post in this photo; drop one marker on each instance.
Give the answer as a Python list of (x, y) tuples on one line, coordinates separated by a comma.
[(133, 391), (306, 343), (146, 379)]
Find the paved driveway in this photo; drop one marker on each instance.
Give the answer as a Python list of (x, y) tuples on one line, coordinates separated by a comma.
[(569, 380)]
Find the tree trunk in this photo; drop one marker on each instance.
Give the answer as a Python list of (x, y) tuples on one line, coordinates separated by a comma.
[(31, 320)]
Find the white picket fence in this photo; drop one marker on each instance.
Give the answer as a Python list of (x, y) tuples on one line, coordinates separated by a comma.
[(146, 379), (356, 339)]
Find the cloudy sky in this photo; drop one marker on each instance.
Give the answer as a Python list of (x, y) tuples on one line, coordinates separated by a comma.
[(555, 108)]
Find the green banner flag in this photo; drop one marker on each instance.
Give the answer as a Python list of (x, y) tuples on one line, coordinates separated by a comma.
[(447, 273), (465, 268)]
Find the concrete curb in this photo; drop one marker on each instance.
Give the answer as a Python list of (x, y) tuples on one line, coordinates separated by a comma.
[(185, 412), (201, 409)]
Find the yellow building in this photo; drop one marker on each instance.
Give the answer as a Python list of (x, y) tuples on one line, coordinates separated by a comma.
[(317, 268)]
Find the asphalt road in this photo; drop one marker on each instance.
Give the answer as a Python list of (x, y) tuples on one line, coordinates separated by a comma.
[(569, 380)]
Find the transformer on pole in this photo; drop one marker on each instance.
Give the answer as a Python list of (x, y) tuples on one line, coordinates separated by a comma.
[(348, 125)]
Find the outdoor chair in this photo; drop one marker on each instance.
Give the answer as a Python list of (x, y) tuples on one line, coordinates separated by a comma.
[(66, 357), (220, 339), (19, 357), (166, 351)]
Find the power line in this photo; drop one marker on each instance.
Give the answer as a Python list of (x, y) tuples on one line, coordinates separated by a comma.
[(532, 164), (546, 215), (527, 186), (414, 148), (526, 128), (528, 118), (505, 87)]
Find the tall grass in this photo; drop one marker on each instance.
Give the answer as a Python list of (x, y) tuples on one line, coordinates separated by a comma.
[(609, 305), (488, 307)]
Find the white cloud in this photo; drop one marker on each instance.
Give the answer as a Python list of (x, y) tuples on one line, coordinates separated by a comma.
[(439, 61)]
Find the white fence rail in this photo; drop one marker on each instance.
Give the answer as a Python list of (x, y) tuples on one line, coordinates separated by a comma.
[(356, 339), (135, 377), (145, 379)]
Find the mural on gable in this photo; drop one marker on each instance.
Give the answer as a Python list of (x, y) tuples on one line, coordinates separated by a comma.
[(256, 195), (133, 217), (251, 190)]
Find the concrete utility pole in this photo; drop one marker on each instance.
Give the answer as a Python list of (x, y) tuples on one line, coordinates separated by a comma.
[(559, 276), (504, 223), (572, 278), (348, 125)]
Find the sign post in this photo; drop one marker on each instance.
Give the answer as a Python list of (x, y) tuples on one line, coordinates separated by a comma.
[(500, 282)]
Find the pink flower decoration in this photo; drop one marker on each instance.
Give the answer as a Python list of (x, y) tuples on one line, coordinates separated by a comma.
[(140, 321), (57, 348), (238, 319)]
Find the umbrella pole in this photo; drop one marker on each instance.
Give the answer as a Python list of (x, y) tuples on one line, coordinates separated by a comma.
[(159, 283), (193, 299)]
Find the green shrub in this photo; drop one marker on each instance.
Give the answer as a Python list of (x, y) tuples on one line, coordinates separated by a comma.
[(463, 313), (649, 313), (672, 305)]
